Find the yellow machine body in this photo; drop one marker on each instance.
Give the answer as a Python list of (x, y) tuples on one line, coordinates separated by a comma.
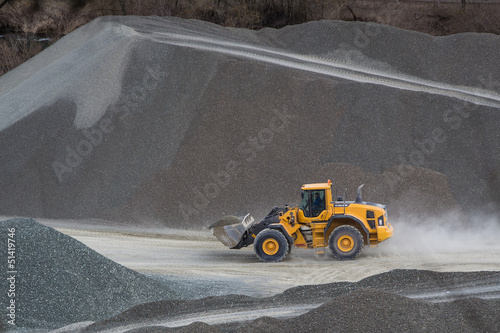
[(369, 218), (318, 222)]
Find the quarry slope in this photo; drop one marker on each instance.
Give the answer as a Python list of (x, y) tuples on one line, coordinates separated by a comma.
[(178, 122)]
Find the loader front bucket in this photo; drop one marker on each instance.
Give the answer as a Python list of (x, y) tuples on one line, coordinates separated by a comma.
[(230, 229)]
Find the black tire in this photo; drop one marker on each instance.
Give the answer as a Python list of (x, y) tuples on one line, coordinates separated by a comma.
[(271, 245), (346, 242)]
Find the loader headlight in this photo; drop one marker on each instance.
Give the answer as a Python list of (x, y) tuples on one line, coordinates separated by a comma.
[(381, 221)]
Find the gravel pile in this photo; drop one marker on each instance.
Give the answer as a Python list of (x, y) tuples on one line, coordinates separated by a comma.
[(428, 285), (181, 121), (58, 280), (397, 301), (378, 311)]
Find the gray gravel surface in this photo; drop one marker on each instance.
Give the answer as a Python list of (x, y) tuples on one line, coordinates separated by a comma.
[(163, 120), (59, 281), (418, 284), (377, 311), (389, 302)]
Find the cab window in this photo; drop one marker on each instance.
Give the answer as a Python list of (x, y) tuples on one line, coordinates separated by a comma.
[(313, 202)]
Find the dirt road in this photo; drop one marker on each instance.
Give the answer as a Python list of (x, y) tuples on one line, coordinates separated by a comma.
[(196, 265), (185, 257)]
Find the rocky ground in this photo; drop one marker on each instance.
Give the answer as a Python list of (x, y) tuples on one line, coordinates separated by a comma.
[(348, 308), (161, 123), (157, 121), (65, 286), (58, 280)]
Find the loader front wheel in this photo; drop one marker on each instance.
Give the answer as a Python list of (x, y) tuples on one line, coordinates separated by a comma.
[(270, 245), (346, 242)]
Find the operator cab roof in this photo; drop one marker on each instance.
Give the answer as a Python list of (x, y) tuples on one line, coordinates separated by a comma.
[(317, 186)]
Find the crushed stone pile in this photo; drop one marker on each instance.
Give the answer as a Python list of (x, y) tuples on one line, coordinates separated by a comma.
[(400, 300), (181, 121), (379, 311), (59, 281)]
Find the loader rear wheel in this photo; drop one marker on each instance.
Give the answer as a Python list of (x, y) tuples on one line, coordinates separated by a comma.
[(346, 242), (270, 245)]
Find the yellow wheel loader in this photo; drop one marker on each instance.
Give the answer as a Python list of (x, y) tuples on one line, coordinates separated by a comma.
[(319, 221)]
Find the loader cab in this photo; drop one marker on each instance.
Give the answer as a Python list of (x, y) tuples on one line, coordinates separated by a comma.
[(313, 202)]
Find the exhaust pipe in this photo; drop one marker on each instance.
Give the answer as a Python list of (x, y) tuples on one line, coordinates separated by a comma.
[(358, 194)]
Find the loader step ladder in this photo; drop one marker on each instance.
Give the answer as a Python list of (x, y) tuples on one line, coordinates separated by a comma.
[(373, 241), (318, 238), (319, 251), (307, 234)]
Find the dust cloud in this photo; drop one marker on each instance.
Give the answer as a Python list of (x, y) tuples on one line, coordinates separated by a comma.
[(444, 234)]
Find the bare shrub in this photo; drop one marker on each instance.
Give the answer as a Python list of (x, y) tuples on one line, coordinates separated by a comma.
[(243, 16), (56, 18), (16, 51), (483, 18), (159, 7)]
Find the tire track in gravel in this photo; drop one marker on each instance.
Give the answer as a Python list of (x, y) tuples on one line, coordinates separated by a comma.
[(209, 263), (222, 316), (329, 67), (488, 288)]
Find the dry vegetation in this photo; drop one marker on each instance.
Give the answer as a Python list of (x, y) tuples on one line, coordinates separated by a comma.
[(15, 52), (55, 18)]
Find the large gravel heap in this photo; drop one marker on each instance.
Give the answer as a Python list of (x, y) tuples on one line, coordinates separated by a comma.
[(59, 281), (182, 121), (396, 301)]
